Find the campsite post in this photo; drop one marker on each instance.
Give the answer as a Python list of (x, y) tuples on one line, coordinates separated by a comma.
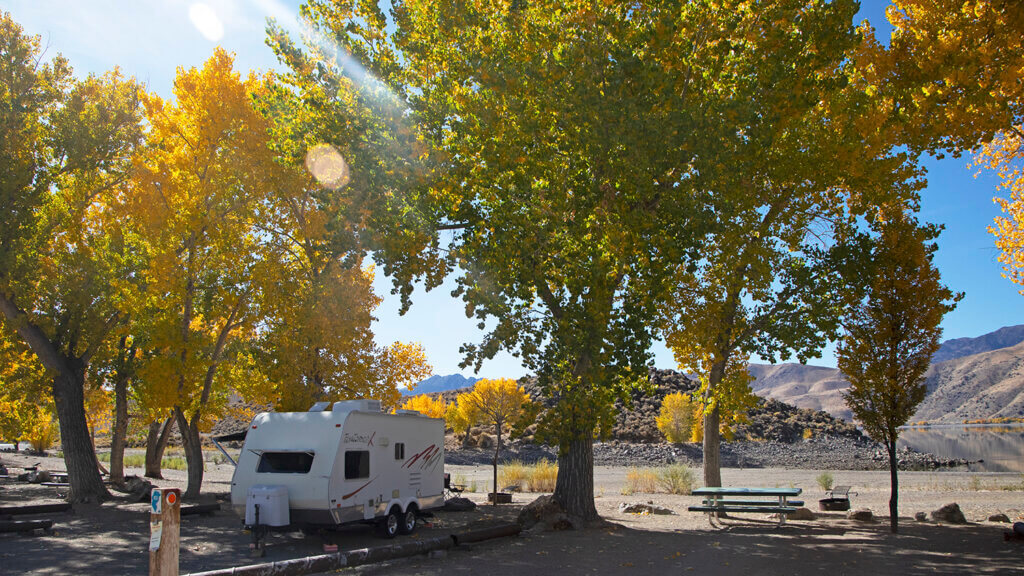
[(164, 531)]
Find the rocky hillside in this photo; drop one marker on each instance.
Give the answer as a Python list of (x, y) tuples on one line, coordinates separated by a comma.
[(981, 386), (769, 420)]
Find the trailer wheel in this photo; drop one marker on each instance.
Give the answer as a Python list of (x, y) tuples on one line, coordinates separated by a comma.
[(408, 525), (390, 525)]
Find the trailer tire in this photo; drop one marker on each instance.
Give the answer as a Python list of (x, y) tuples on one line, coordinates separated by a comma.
[(408, 524), (390, 524)]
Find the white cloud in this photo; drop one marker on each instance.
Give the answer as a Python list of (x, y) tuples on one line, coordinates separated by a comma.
[(205, 19)]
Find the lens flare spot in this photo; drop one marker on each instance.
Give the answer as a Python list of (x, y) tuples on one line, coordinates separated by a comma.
[(325, 163), (206, 21)]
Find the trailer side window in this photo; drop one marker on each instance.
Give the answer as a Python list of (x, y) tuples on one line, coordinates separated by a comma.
[(285, 462), (357, 464), (400, 451)]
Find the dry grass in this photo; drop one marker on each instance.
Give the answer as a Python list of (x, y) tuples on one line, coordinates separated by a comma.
[(640, 480), (539, 477), (543, 476)]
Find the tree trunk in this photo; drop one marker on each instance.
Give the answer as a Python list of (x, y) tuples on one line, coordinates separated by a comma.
[(712, 449), (574, 488), (497, 449), (79, 456), (894, 488), (193, 452), (120, 433), (156, 443)]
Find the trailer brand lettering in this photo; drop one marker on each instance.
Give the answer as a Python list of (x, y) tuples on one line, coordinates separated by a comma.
[(356, 438)]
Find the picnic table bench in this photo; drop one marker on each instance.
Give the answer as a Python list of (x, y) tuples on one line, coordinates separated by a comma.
[(754, 500)]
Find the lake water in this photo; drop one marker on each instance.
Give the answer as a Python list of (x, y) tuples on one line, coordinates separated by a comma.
[(1001, 447)]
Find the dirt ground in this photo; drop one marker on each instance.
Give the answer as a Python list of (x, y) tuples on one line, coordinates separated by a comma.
[(112, 538)]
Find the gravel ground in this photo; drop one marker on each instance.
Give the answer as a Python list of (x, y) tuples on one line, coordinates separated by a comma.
[(111, 538)]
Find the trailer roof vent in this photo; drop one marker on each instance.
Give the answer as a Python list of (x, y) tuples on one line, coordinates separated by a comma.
[(362, 405), (412, 412), (319, 406)]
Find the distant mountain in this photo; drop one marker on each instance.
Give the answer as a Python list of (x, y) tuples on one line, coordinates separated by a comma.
[(985, 385), (814, 387), (441, 384), (960, 347), (970, 378)]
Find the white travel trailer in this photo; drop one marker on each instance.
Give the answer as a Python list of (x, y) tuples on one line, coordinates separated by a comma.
[(352, 463)]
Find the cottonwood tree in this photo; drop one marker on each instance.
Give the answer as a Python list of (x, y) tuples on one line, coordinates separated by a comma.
[(891, 336), (949, 80), (319, 341), (798, 160), (496, 402), (196, 193), (557, 141), (66, 148), (1005, 155)]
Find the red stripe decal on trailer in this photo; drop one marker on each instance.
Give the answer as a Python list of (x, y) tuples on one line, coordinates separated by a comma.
[(351, 494), (418, 456), (370, 441)]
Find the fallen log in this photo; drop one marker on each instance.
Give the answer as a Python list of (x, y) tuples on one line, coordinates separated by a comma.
[(25, 525), (200, 509), (36, 508), (336, 561)]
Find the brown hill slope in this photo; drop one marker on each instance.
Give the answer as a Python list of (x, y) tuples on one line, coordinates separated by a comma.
[(980, 386), (986, 385), (813, 387)]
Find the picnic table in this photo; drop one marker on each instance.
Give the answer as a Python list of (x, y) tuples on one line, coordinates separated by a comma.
[(748, 500)]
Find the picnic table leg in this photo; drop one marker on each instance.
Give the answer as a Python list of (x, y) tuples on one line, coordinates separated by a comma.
[(782, 515)]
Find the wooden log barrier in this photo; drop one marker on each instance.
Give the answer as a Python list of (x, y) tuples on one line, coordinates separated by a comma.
[(36, 509), (164, 531), (25, 525), (336, 561), (199, 509)]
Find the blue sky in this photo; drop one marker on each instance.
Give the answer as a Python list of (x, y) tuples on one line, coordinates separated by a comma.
[(149, 39)]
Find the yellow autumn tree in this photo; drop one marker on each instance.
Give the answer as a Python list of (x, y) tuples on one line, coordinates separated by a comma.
[(498, 402), (892, 334), (460, 415), (23, 389), (424, 404), (198, 192), (677, 417), (1004, 155), (318, 342)]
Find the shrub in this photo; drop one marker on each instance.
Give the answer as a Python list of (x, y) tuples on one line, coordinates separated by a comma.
[(676, 418), (676, 479), (43, 434), (825, 481), (808, 433), (543, 476), (642, 480)]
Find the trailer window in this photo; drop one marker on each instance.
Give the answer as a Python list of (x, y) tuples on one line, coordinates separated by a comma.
[(400, 451), (357, 464), (285, 462)]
